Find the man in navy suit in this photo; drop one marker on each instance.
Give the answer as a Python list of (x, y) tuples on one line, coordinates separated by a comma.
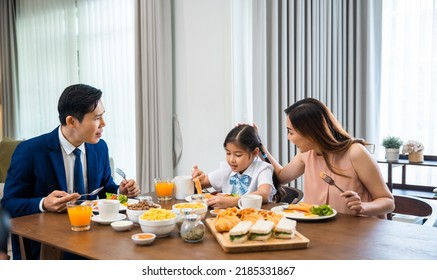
[(41, 175)]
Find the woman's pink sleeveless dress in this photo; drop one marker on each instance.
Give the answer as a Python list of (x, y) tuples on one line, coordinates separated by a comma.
[(317, 191)]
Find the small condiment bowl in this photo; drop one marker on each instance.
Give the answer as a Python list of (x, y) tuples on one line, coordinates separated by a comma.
[(214, 212), (122, 225), (143, 238)]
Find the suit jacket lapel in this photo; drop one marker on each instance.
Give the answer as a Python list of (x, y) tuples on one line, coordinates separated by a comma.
[(57, 159)]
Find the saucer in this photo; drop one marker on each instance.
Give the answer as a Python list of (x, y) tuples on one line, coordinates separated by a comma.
[(99, 220)]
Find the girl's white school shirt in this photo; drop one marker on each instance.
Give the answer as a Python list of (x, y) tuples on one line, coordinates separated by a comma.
[(260, 171)]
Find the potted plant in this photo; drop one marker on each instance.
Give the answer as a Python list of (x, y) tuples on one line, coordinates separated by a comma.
[(392, 144), (414, 149)]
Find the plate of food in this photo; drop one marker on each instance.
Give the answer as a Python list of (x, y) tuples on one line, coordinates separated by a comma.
[(305, 212), (260, 235), (124, 201)]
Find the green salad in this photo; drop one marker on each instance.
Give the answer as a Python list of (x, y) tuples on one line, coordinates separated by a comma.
[(121, 197), (322, 210)]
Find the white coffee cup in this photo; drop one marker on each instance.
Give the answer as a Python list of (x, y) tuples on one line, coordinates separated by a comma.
[(108, 209), (250, 201), (184, 186)]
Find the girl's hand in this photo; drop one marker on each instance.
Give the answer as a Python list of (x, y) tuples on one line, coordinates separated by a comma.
[(197, 173), (353, 202), (222, 202)]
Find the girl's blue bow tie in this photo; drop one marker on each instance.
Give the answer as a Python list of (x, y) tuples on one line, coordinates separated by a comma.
[(240, 184)]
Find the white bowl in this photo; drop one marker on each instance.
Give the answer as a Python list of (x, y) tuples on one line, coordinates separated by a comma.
[(134, 214), (121, 225), (143, 238), (160, 228), (176, 208)]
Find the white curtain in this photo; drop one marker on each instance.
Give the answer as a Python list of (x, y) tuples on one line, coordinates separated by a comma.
[(154, 87), (409, 79), (62, 42), (106, 45), (328, 50), (46, 62)]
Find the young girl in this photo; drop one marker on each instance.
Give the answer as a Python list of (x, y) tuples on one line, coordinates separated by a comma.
[(243, 172)]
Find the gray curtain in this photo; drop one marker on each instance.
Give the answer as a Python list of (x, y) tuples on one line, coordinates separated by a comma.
[(154, 84), (328, 50), (8, 70)]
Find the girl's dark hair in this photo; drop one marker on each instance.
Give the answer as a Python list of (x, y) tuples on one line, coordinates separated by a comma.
[(77, 100), (246, 137), (313, 120)]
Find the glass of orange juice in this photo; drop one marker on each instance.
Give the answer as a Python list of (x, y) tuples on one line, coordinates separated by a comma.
[(164, 188), (79, 213)]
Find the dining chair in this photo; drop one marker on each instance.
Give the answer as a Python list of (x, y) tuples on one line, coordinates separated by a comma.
[(7, 147), (291, 195), (415, 206)]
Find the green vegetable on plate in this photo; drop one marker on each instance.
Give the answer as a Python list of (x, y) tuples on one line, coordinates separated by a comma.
[(322, 210)]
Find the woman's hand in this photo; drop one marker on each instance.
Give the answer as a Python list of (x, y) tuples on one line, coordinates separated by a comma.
[(353, 202)]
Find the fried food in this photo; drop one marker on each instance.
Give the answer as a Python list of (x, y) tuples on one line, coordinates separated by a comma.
[(252, 218), (233, 211), (247, 212), (226, 223)]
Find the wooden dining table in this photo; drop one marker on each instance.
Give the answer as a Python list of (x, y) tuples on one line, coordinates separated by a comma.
[(342, 237)]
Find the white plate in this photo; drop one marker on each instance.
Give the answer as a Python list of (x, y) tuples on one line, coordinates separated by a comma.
[(299, 215), (99, 220), (122, 207), (188, 197)]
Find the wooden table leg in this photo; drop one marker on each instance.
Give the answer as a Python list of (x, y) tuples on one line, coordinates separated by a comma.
[(50, 253), (24, 248)]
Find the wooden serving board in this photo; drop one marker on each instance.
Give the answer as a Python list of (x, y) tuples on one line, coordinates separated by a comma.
[(298, 242)]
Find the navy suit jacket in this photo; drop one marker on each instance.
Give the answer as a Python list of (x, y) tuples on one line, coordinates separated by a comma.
[(37, 169)]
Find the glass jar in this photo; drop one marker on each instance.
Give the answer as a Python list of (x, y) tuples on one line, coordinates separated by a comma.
[(180, 218), (192, 230)]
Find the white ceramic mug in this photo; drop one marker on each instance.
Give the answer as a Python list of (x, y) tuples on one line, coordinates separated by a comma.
[(250, 201), (184, 186), (108, 209)]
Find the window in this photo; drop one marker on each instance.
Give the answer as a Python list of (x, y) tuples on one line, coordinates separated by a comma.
[(408, 83), (63, 42)]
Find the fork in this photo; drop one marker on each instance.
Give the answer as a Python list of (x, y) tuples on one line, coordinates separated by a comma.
[(330, 181), (96, 191), (121, 173)]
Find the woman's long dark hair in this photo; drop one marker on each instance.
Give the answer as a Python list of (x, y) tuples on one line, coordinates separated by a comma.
[(313, 120), (246, 136)]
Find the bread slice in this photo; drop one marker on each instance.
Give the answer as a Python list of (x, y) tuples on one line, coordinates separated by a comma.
[(262, 230), (285, 229), (240, 232)]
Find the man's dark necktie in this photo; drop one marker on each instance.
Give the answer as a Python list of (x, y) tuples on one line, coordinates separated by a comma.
[(79, 185)]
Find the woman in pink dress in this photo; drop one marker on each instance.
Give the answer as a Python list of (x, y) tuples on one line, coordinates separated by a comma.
[(324, 146)]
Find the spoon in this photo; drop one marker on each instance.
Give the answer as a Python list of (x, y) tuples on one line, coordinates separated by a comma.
[(96, 191)]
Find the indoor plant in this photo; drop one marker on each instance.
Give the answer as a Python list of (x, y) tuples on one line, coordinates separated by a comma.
[(392, 144), (414, 149)]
